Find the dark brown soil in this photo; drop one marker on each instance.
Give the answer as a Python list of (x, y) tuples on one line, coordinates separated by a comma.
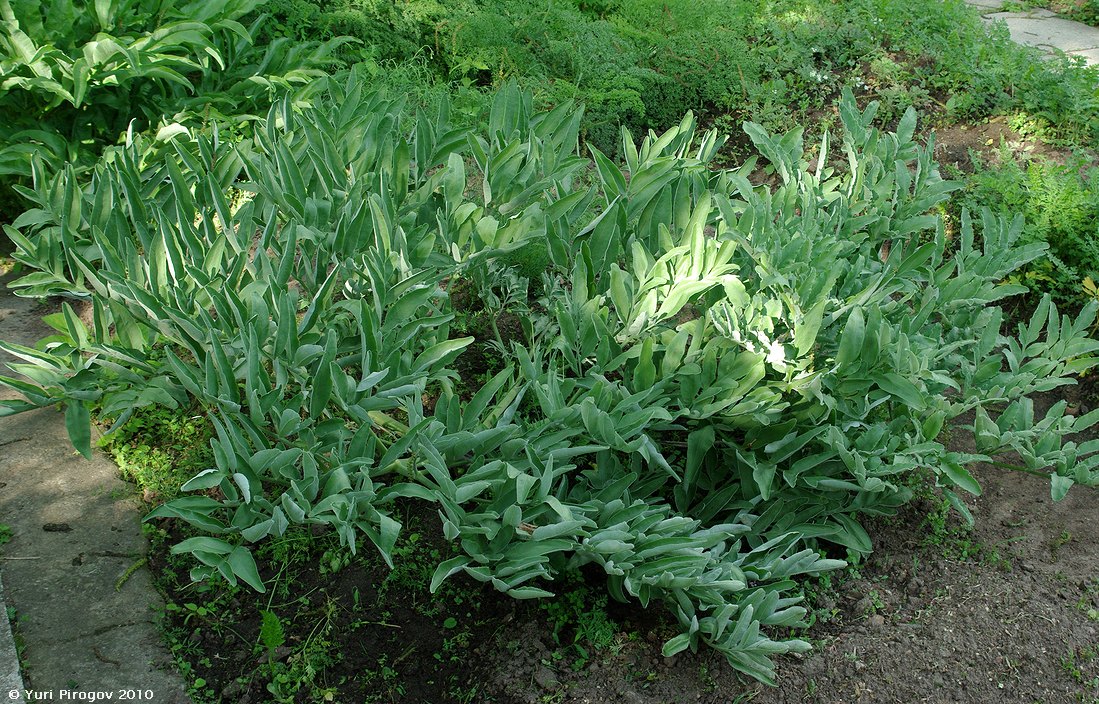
[(352, 631), (955, 144)]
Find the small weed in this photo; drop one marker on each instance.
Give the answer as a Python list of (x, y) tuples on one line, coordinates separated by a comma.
[(17, 635), (580, 623), (1079, 665), (1059, 542), (465, 694), (301, 670), (706, 678), (160, 449), (189, 611), (1089, 601), (949, 534), (334, 559), (271, 633), (820, 597)]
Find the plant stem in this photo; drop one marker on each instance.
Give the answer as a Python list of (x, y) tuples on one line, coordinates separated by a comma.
[(1018, 468), (496, 332), (1035, 472)]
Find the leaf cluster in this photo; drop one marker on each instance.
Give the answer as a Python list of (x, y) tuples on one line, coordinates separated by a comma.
[(77, 76), (713, 380), (1060, 206)]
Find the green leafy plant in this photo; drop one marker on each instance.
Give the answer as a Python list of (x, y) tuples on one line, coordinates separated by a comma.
[(271, 633), (579, 613), (713, 380), (160, 449), (1086, 11), (1060, 207), (642, 64), (77, 77)]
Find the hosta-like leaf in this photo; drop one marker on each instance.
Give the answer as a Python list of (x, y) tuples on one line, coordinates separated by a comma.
[(79, 426)]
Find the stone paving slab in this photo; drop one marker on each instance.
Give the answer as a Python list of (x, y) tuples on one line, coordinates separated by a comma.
[(1048, 32), (1044, 30), (10, 678), (76, 533)]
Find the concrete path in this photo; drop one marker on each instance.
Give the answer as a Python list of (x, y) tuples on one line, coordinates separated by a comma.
[(76, 533), (11, 679), (1044, 30)]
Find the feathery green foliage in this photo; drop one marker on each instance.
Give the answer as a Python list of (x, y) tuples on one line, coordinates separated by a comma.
[(643, 63), (1060, 206)]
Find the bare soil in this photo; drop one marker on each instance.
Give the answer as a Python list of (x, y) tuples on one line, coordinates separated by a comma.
[(955, 145)]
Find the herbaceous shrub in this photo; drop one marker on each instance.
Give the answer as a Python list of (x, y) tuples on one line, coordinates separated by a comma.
[(714, 380), (643, 63), (76, 76)]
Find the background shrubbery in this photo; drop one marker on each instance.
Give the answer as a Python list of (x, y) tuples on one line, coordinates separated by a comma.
[(643, 64), (1060, 205), (78, 77)]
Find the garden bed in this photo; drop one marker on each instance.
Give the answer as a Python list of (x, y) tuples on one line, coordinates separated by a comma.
[(376, 359)]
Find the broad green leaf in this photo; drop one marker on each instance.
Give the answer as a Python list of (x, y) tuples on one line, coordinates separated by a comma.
[(806, 329), (440, 354), (614, 183), (206, 479), (699, 443), (961, 477), (959, 506), (853, 535), (676, 645), (244, 567), (79, 426), (902, 388), (851, 339), (446, 569), (1059, 486)]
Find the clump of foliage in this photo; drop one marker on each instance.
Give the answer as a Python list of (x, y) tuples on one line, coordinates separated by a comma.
[(713, 380), (1060, 207), (77, 76), (1086, 11)]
